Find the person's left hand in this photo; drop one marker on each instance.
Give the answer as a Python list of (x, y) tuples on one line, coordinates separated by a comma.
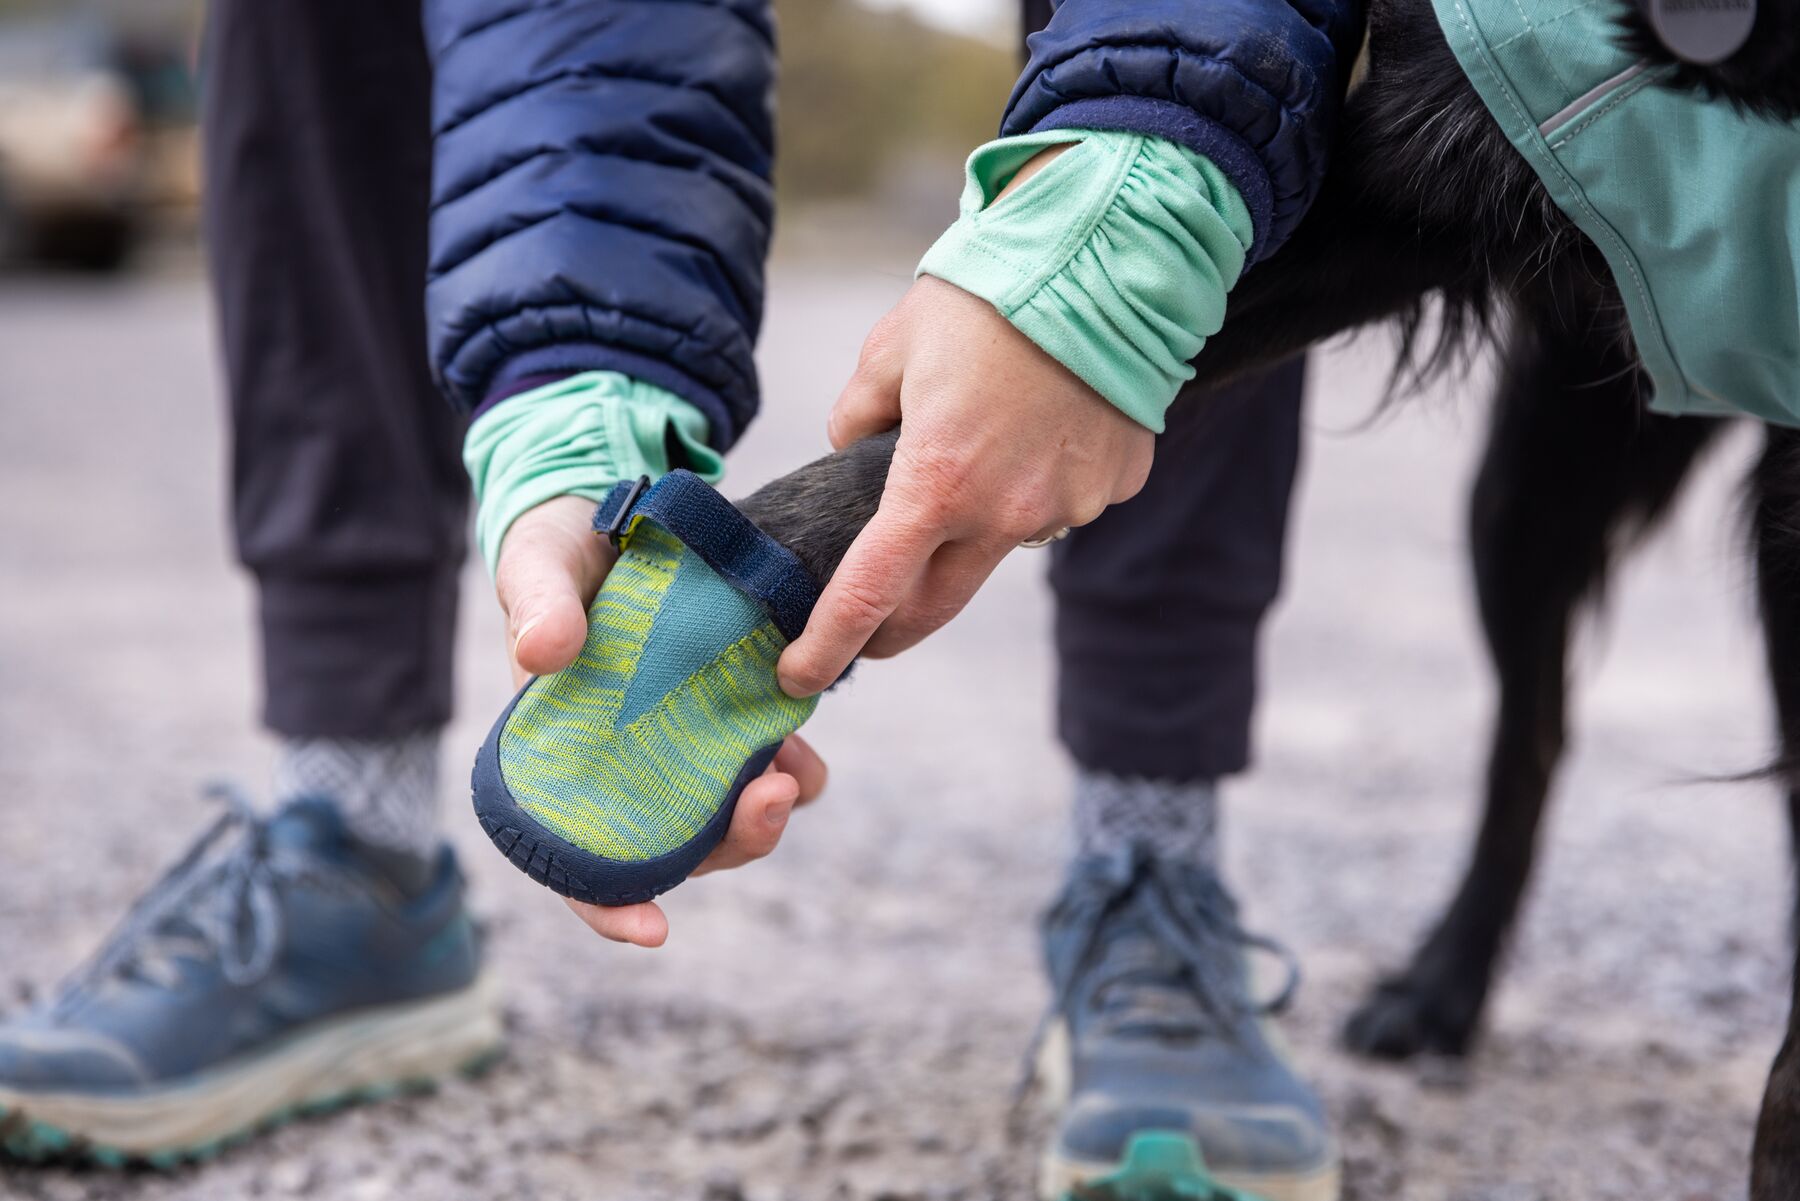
[(551, 564)]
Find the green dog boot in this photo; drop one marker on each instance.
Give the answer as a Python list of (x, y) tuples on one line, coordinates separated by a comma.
[(610, 781)]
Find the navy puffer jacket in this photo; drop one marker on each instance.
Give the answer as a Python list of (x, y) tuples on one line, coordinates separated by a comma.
[(601, 194), (1253, 85)]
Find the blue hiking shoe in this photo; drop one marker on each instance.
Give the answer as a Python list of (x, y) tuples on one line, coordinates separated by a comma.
[(1156, 1032), (281, 967)]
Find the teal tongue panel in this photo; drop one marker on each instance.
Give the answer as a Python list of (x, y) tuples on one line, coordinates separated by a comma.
[(701, 615)]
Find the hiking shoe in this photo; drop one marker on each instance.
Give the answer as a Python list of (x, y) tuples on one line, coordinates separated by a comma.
[(611, 780), (1157, 1032), (281, 967)]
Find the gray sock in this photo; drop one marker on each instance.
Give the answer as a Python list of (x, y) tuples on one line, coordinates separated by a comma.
[(387, 789), (1179, 820)]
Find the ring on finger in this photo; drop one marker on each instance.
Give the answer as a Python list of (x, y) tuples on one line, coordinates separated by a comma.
[(1046, 539)]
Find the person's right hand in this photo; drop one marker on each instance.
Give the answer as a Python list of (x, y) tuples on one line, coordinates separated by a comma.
[(999, 443), (550, 567)]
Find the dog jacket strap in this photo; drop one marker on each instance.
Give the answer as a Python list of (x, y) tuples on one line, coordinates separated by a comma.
[(726, 541)]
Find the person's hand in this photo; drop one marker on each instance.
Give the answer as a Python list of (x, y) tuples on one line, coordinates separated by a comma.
[(1000, 443), (551, 565)]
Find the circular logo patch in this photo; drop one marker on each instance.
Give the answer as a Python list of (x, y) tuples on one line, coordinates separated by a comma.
[(1702, 31)]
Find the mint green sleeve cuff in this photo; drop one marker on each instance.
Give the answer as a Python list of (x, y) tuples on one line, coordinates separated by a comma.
[(1115, 258), (577, 437)]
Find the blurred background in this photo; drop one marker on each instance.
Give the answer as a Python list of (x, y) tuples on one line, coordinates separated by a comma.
[(99, 159), (844, 1023), (97, 146)]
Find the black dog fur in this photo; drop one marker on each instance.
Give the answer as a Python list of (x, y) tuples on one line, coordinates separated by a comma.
[(817, 511), (1428, 204)]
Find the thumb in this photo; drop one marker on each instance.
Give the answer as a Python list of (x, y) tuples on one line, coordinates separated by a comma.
[(551, 564)]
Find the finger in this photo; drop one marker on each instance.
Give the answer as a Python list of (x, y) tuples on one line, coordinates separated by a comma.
[(551, 565), (642, 925), (956, 572), (757, 824), (798, 759), (548, 635), (870, 402), (875, 576)]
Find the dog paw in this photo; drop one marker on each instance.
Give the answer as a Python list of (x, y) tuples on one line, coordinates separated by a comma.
[(1403, 1018)]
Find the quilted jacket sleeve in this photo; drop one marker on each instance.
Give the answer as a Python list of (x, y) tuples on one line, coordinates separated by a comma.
[(600, 194), (1254, 85)]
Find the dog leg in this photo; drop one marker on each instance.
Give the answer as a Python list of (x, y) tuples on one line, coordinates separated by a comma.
[(1775, 1163), (1573, 470), (818, 510), (1377, 242), (1775, 1160), (1775, 486)]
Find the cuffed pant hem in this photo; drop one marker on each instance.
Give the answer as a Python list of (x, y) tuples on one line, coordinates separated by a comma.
[(358, 657)]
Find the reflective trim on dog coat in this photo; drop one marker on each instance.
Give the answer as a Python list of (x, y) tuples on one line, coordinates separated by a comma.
[(1695, 205)]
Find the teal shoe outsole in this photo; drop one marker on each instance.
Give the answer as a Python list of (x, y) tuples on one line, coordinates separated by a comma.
[(1158, 1166)]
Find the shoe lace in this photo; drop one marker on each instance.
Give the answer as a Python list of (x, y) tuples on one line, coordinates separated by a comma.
[(220, 900), (1170, 964)]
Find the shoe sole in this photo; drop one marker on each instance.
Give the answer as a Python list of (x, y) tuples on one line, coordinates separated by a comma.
[(581, 875), (366, 1056), (1058, 1176)]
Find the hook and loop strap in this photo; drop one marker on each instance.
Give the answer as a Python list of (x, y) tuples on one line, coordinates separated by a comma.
[(726, 541)]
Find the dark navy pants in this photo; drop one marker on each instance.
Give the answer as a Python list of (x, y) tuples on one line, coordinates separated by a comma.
[(1159, 602), (348, 497)]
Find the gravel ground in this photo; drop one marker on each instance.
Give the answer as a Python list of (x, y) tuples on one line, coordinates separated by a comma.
[(846, 1021)]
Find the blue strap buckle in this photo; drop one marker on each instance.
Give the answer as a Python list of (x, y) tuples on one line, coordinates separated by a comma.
[(615, 529), (725, 540)]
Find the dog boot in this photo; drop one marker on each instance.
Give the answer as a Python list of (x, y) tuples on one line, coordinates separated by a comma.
[(611, 780)]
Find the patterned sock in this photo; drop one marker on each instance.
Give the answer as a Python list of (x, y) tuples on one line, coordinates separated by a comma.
[(1179, 819), (387, 789)]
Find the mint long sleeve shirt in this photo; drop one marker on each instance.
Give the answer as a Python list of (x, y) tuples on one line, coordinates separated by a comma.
[(577, 437), (1115, 258)]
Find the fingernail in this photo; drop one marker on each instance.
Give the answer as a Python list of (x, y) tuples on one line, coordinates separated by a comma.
[(526, 629), (777, 814)]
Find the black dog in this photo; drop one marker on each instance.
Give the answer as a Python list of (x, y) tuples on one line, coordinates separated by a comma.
[(1427, 199)]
